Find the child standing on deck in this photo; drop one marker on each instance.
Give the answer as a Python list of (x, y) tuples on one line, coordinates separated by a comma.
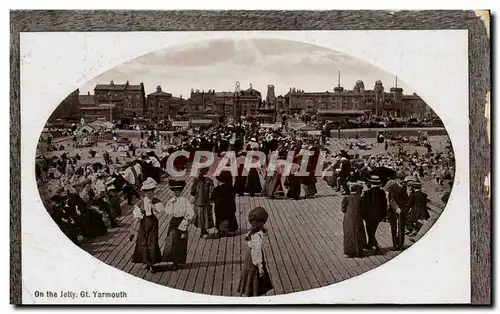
[(255, 280)]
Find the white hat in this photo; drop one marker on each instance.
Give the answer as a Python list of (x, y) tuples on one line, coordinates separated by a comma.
[(343, 159), (253, 139), (149, 184)]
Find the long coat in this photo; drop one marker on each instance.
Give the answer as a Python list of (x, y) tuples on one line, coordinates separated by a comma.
[(374, 204), (225, 207), (354, 229)]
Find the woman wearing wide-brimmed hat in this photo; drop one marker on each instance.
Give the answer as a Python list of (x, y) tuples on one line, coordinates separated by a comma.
[(223, 197), (182, 213), (374, 207), (353, 227), (255, 280), (147, 250)]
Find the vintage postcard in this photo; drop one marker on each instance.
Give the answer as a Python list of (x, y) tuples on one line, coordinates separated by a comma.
[(245, 166)]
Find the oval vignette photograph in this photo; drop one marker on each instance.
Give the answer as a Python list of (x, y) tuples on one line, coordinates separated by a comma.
[(245, 167)]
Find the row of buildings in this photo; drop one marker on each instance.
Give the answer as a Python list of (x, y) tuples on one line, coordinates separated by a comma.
[(127, 102)]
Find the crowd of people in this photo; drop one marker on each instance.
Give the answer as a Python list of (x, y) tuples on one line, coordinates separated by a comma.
[(86, 199)]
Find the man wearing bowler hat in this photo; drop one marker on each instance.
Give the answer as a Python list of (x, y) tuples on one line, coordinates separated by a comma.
[(374, 209), (398, 209)]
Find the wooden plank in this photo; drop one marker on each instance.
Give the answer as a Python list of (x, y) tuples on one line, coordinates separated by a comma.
[(304, 248), (359, 261), (272, 254), (220, 261), (278, 260), (363, 263), (332, 235), (208, 284), (239, 245), (193, 242), (165, 276), (320, 243), (308, 240), (119, 252), (285, 245), (305, 272), (202, 265), (227, 270)]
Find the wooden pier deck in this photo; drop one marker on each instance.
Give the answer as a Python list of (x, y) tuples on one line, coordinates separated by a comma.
[(304, 248)]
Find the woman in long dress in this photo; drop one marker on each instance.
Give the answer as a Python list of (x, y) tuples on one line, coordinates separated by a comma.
[(273, 180), (225, 206), (147, 250), (255, 280), (182, 213), (240, 180), (310, 180), (292, 182), (253, 181), (354, 229)]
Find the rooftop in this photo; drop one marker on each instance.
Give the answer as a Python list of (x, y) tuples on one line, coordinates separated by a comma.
[(119, 87), (159, 92), (224, 94), (100, 107)]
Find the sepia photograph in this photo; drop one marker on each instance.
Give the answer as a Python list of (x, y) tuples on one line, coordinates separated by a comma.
[(317, 168), (245, 165)]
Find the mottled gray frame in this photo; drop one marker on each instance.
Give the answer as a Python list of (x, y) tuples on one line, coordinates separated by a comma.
[(94, 21)]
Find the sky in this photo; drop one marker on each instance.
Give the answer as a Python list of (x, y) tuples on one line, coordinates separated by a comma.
[(219, 64)]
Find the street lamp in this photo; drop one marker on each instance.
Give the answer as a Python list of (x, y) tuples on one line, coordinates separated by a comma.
[(110, 108)]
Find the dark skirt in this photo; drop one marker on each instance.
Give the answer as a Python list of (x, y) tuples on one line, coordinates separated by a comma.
[(354, 233), (253, 182), (251, 284), (240, 182), (147, 250), (175, 249), (226, 221), (293, 183), (203, 217), (311, 189), (115, 206), (93, 225)]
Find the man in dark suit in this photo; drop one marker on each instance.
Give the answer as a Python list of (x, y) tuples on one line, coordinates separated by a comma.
[(398, 209), (374, 208)]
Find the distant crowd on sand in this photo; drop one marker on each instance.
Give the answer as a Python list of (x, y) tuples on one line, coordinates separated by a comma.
[(86, 199)]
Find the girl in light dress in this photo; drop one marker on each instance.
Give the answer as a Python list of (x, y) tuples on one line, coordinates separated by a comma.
[(182, 212), (147, 250), (255, 280)]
